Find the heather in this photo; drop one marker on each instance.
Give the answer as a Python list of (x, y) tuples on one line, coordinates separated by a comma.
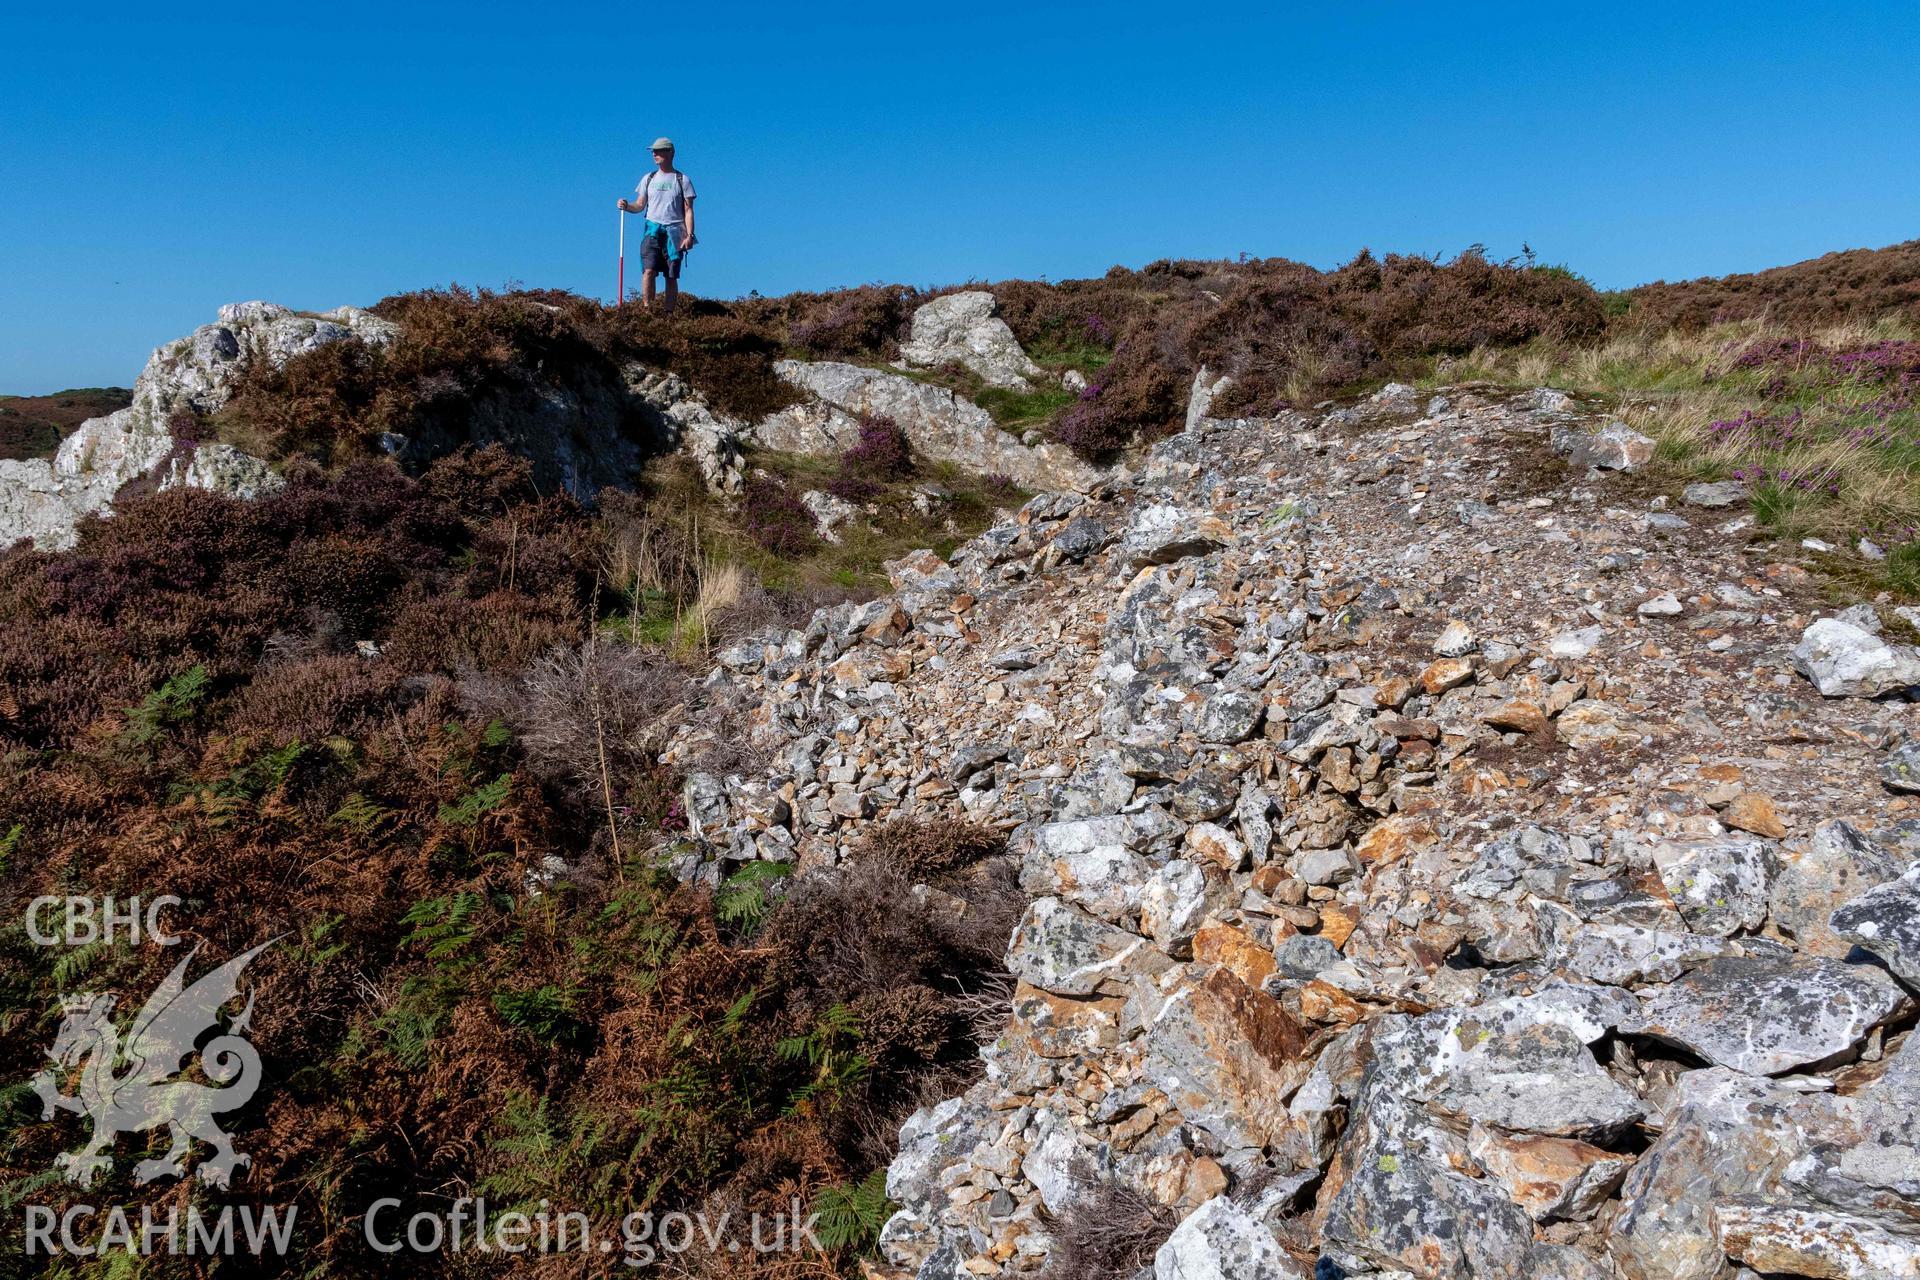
[(409, 725), (1286, 333), (1858, 285)]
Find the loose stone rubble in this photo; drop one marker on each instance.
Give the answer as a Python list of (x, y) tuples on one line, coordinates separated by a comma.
[(1405, 899)]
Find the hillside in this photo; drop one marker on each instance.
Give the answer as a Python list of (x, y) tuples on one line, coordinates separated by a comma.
[(1220, 770), (33, 426)]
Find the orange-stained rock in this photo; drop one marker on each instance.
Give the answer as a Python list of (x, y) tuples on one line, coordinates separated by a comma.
[(1392, 839), (1337, 923), (1064, 1026), (1446, 673), (1325, 1003), (1518, 716), (1551, 1178), (1754, 812), (1216, 943), (1227, 1057)]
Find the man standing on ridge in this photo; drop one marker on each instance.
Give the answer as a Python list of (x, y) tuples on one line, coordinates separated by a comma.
[(665, 196)]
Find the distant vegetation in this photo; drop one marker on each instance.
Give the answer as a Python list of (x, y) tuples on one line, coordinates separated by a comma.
[(33, 426)]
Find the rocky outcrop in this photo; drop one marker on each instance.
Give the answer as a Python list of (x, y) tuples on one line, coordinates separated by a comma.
[(938, 423), (965, 329), (194, 375), (678, 417), (1405, 901)]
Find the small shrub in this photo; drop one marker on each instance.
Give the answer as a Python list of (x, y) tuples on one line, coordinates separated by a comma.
[(930, 848), (880, 453), (775, 518), (1111, 1232)]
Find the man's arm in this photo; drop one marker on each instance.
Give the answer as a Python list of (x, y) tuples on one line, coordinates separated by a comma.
[(689, 236)]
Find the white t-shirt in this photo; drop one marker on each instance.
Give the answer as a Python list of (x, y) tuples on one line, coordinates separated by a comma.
[(665, 196)]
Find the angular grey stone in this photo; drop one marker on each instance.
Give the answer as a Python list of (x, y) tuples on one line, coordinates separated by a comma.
[(1844, 661), (1221, 1241), (703, 797), (1059, 839), (1839, 864), (1162, 534), (1023, 658), (1204, 796), (976, 758), (1619, 954), (1765, 1015), (1173, 905), (829, 513), (1303, 956), (934, 1138), (1201, 395), (1777, 1239), (1727, 1134), (1152, 764), (1886, 921), (1080, 537), (1062, 949), (1061, 1169), (1524, 1076), (1720, 884), (1723, 493), (1615, 447), (1104, 880), (1228, 716), (1325, 866), (1900, 771), (1406, 1212)]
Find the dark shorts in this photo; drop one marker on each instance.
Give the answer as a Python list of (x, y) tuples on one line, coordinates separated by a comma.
[(656, 254)]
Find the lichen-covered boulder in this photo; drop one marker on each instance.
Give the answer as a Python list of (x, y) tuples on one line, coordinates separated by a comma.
[(965, 329)]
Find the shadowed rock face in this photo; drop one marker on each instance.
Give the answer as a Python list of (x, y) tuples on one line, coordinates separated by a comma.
[(1407, 900)]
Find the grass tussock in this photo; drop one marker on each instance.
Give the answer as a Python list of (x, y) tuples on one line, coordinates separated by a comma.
[(1821, 424)]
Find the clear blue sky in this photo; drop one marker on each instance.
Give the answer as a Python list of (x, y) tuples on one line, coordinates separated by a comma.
[(156, 161)]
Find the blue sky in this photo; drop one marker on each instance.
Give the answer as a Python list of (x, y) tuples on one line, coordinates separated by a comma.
[(156, 161)]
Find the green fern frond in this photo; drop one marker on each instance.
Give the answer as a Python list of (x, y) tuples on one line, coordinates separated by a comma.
[(744, 898), (850, 1217), (477, 803), (360, 814)]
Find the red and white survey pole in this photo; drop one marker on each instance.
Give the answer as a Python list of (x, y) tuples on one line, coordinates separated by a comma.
[(620, 289)]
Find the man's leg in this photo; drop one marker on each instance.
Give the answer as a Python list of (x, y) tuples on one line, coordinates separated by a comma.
[(673, 291), (646, 289)]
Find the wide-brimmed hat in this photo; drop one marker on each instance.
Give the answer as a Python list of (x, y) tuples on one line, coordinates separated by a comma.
[(661, 144)]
